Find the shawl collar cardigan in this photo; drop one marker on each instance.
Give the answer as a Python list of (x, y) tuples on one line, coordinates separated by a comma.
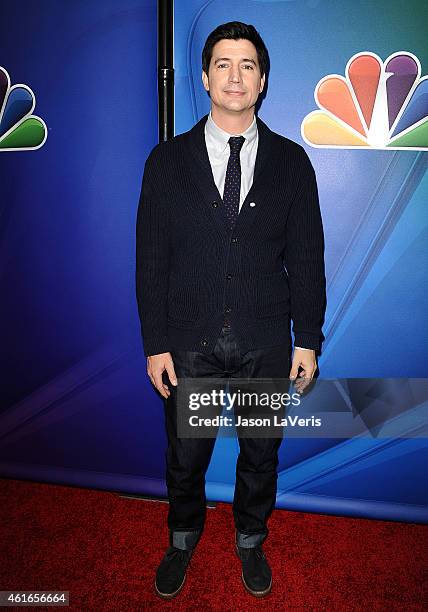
[(191, 270)]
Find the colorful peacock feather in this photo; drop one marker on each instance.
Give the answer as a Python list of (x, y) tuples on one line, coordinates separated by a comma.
[(377, 105), (19, 129)]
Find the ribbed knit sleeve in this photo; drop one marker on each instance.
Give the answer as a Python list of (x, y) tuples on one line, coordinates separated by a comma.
[(304, 259), (152, 262)]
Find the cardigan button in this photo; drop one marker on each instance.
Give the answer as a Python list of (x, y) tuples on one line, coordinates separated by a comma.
[(227, 309), (234, 239), (204, 342), (214, 204)]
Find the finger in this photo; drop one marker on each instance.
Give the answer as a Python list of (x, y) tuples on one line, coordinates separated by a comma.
[(305, 383), (159, 384), (171, 373), (301, 384), (294, 369), (167, 391), (308, 371), (312, 372), (164, 384), (150, 375)]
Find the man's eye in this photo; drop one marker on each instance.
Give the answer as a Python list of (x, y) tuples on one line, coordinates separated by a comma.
[(245, 66)]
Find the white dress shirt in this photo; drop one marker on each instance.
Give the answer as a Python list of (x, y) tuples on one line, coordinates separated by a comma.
[(217, 142)]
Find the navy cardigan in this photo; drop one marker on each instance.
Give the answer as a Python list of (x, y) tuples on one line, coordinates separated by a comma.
[(191, 270)]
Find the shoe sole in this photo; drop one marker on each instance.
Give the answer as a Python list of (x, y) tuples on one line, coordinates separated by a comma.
[(170, 595), (255, 593)]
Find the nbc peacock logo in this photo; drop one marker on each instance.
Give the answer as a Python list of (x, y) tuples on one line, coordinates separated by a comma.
[(377, 105), (19, 129)]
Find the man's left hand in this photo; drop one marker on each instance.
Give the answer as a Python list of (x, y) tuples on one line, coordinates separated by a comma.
[(305, 360)]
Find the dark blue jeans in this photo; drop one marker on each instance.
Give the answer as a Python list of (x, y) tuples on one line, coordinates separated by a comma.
[(188, 458)]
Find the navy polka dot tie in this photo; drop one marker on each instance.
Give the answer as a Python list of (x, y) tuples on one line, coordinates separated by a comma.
[(232, 183)]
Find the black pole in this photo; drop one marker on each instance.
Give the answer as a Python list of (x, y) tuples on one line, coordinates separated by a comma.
[(166, 69), (165, 114)]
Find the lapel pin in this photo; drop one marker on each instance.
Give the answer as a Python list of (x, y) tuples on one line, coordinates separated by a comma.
[(252, 203)]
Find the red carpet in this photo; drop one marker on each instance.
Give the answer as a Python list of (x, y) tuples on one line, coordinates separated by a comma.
[(105, 549)]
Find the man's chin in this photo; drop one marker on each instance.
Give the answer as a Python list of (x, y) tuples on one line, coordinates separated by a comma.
[(236, 106)]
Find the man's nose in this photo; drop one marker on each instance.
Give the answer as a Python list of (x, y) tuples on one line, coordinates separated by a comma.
[(235, 75)]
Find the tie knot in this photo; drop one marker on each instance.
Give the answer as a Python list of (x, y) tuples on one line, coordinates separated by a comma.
[(236, 143)]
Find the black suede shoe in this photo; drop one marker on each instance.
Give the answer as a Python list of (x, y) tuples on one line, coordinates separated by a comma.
[(171, 573), (256, 573)]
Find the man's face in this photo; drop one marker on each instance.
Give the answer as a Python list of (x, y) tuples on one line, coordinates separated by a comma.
[(233, 79)]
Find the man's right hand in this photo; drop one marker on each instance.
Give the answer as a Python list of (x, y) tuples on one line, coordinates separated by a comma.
[(156, 364)]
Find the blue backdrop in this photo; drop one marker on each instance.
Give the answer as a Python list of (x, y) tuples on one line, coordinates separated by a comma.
[(77, 406)]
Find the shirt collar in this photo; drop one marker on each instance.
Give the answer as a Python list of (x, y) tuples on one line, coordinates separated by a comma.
[(221, 138)]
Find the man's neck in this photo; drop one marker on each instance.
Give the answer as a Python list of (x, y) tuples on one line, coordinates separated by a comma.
[(233, 123)]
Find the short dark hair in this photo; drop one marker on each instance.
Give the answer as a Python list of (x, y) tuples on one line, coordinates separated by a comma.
[(236, 30)]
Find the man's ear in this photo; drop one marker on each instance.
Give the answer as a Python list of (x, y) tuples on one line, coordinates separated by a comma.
[(262, 83), (205, 80)]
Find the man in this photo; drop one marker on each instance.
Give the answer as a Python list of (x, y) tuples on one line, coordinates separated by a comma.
[(223, 208)]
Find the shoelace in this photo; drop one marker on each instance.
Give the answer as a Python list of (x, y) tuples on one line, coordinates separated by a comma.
[(259, 553), (181, 554)]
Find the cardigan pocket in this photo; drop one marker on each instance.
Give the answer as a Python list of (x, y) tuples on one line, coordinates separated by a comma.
[(272, 295), (183, 305)]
